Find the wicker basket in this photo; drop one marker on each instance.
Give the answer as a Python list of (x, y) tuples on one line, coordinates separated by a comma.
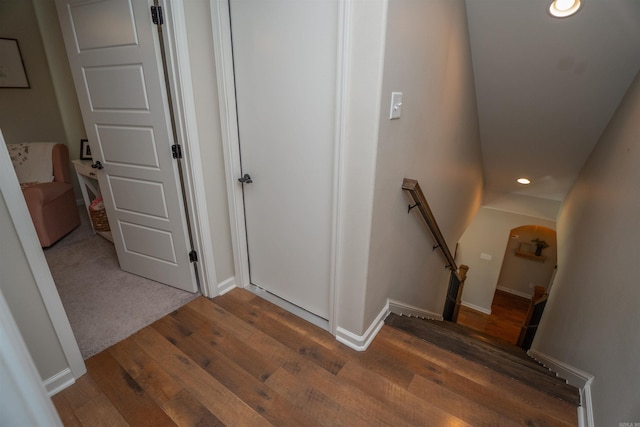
[(99, 219)]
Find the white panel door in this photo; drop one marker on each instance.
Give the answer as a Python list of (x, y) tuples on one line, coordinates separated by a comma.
[(116, 64), (285, 54)]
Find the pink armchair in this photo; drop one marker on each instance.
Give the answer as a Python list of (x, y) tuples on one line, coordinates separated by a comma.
[(52, 205)]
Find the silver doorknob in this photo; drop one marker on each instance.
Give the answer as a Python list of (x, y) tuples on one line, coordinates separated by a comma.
[(97, 165), (246, 179)]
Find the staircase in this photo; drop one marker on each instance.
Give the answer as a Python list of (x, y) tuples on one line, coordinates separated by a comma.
[(496, 355)]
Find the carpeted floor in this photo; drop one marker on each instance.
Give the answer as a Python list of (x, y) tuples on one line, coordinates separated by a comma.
[(105, 304)]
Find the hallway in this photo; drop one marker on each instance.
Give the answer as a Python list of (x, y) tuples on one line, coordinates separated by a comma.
[(508, 311), (239, 360)]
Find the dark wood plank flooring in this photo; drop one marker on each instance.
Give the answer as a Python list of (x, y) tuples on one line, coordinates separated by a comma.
[(507, 360), (239, 360), (508, 311)]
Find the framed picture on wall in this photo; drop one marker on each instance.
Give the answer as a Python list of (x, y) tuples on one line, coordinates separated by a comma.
[(12, 73), (85, 150)]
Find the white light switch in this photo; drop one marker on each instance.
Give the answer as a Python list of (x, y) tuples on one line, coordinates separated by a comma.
[(396, 105), (487, 257)]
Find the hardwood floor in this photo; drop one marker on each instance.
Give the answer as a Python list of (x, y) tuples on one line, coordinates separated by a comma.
[(494, 354), (239, 360), (508, 311)]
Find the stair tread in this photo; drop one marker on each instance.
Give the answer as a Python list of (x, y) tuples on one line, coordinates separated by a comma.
[(515, 352), (476, 347)]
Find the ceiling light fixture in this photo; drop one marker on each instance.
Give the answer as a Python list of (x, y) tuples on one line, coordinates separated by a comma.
[(524, 181), (564, 8)]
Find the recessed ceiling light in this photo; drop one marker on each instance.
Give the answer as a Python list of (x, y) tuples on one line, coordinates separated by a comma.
[(564, 8), (524, 181)]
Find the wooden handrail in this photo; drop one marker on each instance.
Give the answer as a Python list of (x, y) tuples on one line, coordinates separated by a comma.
[(412, 186)]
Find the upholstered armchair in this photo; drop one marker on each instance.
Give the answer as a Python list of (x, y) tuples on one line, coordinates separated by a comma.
[(49, 195)]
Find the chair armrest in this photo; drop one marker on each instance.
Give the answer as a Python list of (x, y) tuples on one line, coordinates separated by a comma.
[(40, 194)]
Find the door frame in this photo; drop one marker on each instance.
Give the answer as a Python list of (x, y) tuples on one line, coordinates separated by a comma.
[(19, 213), (22, 387), (181, 86), (220, 20)]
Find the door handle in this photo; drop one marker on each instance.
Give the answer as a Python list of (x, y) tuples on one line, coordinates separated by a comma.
[(97, 165), (246, 179)]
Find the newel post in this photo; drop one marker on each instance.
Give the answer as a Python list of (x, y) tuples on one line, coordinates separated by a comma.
[(462, 273)]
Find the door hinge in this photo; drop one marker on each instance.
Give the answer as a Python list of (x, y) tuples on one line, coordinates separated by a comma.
[(176, 151), (156, 15), (193, 256)]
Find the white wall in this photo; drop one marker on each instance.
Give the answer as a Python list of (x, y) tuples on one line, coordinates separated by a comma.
[(61, 78), (203, 74), (436, 141), (364, 78), (592, 319), (23, 297), (28, 114), (29, 289), (23, 399), (520, 204), (488, 233)]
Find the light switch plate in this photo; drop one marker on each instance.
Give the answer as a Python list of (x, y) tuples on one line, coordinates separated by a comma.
[(396, 105), (487, 257)]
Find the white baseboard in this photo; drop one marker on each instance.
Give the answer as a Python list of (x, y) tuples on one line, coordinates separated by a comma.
[(409, 310), (475, 307), (577, 378), (361, 342), (226, 285), (59, 382), (514, 292)]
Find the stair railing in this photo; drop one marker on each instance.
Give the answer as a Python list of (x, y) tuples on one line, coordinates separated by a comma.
[(457, 278)]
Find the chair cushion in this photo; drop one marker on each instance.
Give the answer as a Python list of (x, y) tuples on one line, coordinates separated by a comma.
[(32, 161)]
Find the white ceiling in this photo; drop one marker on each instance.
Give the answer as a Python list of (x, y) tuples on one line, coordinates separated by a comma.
[(547, 87)]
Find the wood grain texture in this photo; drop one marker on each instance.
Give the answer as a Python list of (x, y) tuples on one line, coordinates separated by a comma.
[(508, 313), (239, 360), (483, 353)]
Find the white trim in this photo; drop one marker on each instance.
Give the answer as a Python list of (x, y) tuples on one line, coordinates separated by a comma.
[(59, 381), (22, 388), (577, 378), (340, 123), (221, 29), (220, 20), (362, 342), (226, 285), (476, 307), (403, 309), (181, 85), (514, 292), (19, 214)]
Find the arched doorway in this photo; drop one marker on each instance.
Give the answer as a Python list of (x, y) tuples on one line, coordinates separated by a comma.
[(522, 267), (521, 273)]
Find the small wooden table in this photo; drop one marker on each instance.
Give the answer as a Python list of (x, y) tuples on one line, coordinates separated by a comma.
[(88, 179)]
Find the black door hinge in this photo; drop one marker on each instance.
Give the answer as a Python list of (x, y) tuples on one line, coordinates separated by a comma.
[(176, 151), (193, 256), (156, 15)]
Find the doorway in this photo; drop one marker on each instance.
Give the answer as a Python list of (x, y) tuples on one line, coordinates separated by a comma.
[(135, 158), (118, 67), (103, 303), (528, 267)]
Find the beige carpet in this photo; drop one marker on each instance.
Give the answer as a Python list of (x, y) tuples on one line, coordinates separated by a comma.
[(105, 304)]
